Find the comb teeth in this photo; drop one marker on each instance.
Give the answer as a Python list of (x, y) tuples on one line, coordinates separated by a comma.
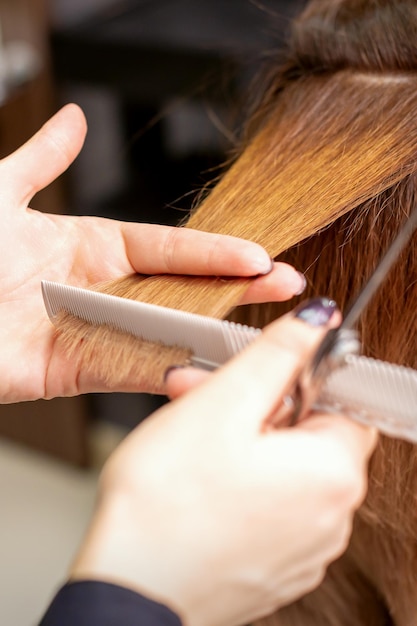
[(374, 393), (371, 392), (212, 341)]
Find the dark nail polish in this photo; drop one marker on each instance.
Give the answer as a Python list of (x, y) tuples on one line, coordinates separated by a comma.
[(316, 312), (170, 369)]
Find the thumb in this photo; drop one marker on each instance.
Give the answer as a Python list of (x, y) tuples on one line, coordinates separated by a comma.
[(46, 155), (251, 386)]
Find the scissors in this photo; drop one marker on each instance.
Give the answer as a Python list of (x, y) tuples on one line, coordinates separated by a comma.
[(341, 342)]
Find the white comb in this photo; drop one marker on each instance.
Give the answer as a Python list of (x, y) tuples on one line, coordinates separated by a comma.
[(212, 342), (371, 392)]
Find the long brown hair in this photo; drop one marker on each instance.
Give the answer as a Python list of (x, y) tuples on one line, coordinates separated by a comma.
[(327, 173), (375, 582)]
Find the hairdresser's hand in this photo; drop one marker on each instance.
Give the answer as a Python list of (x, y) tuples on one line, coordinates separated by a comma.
[(206, 509), (83, 251)]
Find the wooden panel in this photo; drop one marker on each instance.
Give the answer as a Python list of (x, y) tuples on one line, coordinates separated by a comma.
[(57, 427)]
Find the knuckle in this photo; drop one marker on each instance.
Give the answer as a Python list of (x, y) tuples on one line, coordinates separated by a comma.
[(214, 251), (345, 534), (351, 487), (348, 488), (345, 484), (170, 250), (341, 539), (317, 576), (59, 144), (311, 578), (337, 539)]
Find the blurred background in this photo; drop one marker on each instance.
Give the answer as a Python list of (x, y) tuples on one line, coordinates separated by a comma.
[(163, 84)]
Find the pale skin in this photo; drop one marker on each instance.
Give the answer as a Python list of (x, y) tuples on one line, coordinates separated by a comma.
[(83, 251), (202, 507), (207, 511)]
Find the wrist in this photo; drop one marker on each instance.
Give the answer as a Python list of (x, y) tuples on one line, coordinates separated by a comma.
[(118, 549)]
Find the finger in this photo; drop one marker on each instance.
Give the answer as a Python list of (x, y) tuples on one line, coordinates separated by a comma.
[(343, 432), (281, 284), (46, 155), (336, 449), (180, 380), (250, 386), (155, 249)]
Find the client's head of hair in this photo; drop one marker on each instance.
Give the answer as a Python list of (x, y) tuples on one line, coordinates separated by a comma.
[(326, 174)]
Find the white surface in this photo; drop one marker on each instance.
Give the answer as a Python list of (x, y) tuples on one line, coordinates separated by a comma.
[(45, 506)]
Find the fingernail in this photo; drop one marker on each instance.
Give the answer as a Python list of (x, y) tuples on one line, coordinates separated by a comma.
[(303, 284), (170, 369), (316, 312), (269, 269)]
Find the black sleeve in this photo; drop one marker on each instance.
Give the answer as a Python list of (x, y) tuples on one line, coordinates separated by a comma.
[(94, 603)]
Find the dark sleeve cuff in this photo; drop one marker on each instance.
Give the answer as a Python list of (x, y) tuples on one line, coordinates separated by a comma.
[(95, 603)]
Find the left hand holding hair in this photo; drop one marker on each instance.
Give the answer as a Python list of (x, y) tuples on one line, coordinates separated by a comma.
[(83, 251)]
